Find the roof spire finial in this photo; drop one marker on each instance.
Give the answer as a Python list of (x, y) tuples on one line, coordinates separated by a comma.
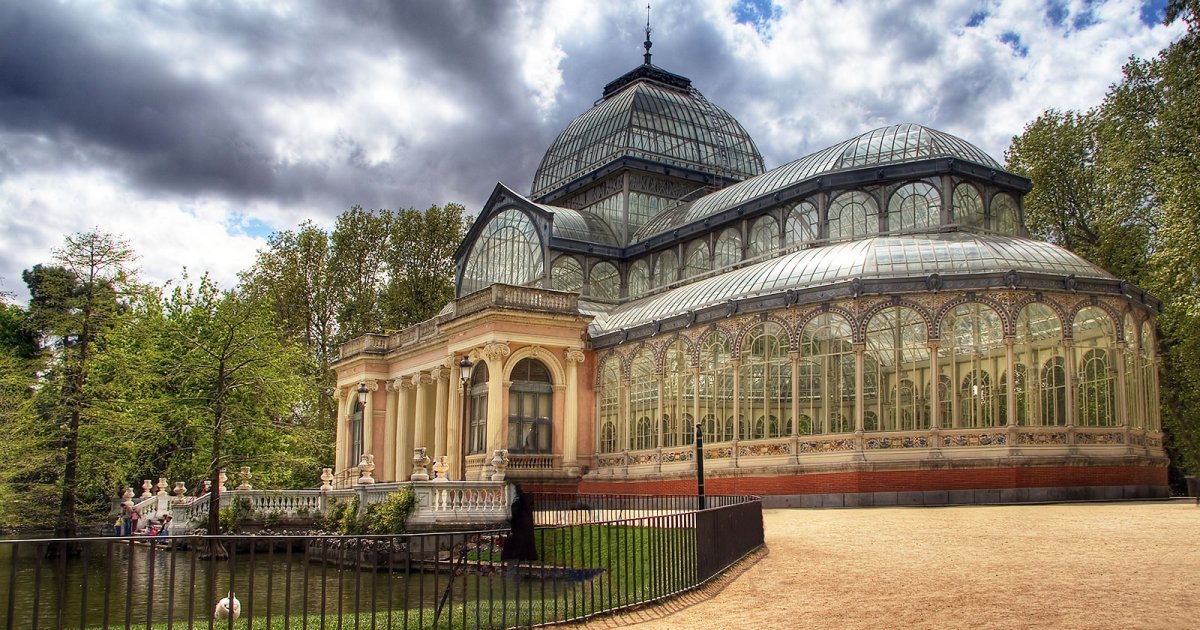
[(647, 44)]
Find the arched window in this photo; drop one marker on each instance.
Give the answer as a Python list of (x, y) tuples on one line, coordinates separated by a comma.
[(729, 249), (945, 392), (1149, 378), (643, 396), (643, 436), (1134, 410), (608, 401), (1095, 381), (1020, 384), (971, 350), (766, 375), (896, 352), (1004, 214), (605, 281), (678, 396), (507, 250), (968, 206), (697, 259), (913, 206), (802, 224), (1037, 344), (639, 278), (566, 274), (530, 406), (764, 237), (666, 268), (827, 374), (853, 214), (715, 387), (477, 437)]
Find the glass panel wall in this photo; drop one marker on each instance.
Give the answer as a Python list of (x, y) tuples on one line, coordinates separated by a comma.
[(678, 396), (643, 400), (728, 251), (639, 278), (566, 274), (764, 237), (1149, 380), (898, 353), (666, 268), (968, 206), (1093, 336), (609, 404), (696, 260), (1037, 345), (971, 355), (853, 214), (766, 381), (802, 224), (715, 388), (915, 205), (827, 376), (508, 250), (605, 281), (1004, 214)]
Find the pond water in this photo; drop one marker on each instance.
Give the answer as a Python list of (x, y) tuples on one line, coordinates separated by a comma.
[(115, 582)]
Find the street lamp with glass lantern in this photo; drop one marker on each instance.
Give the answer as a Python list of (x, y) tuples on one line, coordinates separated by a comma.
[(464, 373)]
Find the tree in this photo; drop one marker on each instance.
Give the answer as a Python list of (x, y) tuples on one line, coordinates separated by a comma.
[(235, 378), (359, 239), (420, 263), (73, 305)]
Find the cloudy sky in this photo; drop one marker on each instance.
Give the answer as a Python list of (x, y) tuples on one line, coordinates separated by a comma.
[(195, 129)]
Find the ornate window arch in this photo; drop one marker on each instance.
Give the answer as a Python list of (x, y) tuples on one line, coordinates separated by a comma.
[(608, 403), (1037, 346), (530, 408), (1094, 336), (679, 393), (1004, 214), (566, 274), (643, 395), (698, 258), (666, 268), (913, 206), (605, 281), (764, 237), (639, 277), (968, 206), (827, 374), (508, 250), (728, 251), (970, 353), (766, 377), (852, 215), (802, 224), (715, 386), (477, 431), (896, 351)]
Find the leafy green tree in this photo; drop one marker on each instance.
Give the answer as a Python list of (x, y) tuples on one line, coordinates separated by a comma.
[(420, 263), (359, 239), (73, 305)]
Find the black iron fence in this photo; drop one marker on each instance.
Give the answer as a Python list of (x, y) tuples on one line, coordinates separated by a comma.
[(596, 553)]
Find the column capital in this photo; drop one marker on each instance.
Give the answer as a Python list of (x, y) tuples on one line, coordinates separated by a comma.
[(426, 378), (371, 384), (406, 382), (393, 385), (440, 373), (341, 392), (497, 351), (575, 355)]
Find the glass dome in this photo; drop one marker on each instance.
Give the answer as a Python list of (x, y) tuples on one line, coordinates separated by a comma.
[(656, 115), (886, 145)]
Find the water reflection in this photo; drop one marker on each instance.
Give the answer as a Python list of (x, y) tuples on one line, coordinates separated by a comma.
[(116, 582)]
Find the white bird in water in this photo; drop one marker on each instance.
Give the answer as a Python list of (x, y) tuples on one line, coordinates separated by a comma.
[(224, 610)]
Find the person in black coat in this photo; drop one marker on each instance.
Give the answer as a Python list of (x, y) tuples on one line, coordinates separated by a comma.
[(519, 545)]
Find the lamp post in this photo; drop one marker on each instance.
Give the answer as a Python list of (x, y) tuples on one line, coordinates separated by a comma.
[(362, 406), (464, 373)]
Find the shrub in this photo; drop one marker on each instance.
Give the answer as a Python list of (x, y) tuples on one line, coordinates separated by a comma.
[(390, 515)]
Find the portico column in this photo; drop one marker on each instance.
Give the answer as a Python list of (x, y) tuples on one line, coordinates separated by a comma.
[(1068, 346), (442, 377), (860, 379), (1010, 358), (420, 414), (404, 423), (570, 463), (695, 369), (662, 408), (454, 420), (794, 361), (340, 442), (495, 354), (390, 464), (935, 397), (369, 418)]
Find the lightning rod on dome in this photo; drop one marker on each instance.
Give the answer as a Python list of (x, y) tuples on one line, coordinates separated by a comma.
[(646, 44)]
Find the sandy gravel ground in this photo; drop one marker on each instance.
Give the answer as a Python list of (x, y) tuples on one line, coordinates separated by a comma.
[(1094, 565)]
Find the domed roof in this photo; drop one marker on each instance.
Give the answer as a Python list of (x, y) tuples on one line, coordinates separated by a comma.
[(883, 257), (652, 114), (886, 145)]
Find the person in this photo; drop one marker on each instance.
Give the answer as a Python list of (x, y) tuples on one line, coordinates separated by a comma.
[(519, 544), (133, 521), (119, 525), (163, 529)]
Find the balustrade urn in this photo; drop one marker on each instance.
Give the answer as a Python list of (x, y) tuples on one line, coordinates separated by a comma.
[(127, 496), (180, 489), (162, 487), (440, 468), (420, 462), (146, 485), (499, 464), (367, 466), (327, 479), (244, 476), (222, 478)]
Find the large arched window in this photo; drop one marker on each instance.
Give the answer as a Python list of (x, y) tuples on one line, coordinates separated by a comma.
[(696, 261), (1149, 378), (729, 249), (566, 274), (802, 224), (715, 388), (530, 406), (639, 278), (898, 355), (1095, 375), (970, 353), (1134, 410), (853, 214), (968, 206), (605, 281), (666, 268), (766, 379), (507, 250), (1004, 214), (1037, 344), (356, 434), (643, 398), (608, 402), (764, 237), (477, 433), (913, 206), (827, 374), (678, 396), (1020, 383)]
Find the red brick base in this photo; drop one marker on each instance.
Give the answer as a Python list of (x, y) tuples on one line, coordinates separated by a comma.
[(892, 481)]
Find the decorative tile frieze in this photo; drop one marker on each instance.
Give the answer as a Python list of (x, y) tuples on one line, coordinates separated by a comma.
[(1042, 438), (907, 441), (826, 446), (1107, 437), (974, 439)]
